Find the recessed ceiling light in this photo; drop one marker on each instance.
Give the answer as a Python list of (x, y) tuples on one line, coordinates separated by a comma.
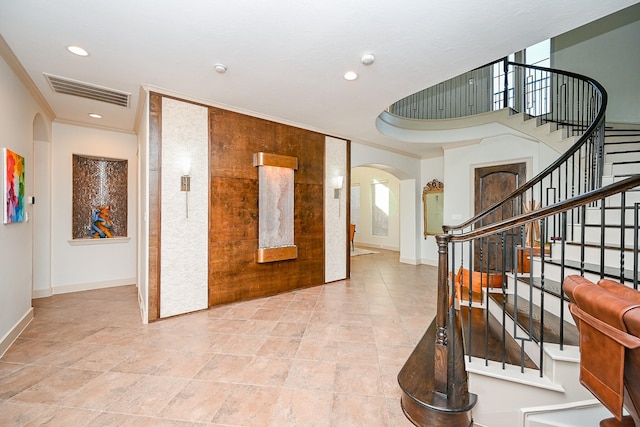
[(95, 115), (78, 51), (350, 75), (220, 68)]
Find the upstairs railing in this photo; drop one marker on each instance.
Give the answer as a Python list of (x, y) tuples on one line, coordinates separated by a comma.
[(568, 101)]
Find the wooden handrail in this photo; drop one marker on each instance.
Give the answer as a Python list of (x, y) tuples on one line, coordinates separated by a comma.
[(564, 206)]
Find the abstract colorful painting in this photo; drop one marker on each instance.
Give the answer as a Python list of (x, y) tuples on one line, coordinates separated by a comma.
[(14, 187)]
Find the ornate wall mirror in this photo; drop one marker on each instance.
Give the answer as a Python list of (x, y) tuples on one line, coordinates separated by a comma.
[(433, 204)]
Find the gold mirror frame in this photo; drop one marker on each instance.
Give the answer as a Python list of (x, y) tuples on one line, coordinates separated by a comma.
[(432, 195)]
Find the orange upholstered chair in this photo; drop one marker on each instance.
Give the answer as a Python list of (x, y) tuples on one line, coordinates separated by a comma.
[(352, 235)]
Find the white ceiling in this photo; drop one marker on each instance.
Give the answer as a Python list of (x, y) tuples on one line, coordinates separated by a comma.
[(285, 58)]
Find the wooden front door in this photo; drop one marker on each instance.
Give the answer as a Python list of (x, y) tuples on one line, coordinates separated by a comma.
[(492, 184)]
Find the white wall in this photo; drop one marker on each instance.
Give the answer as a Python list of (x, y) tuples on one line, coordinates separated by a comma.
[(401, 166), (409, 214), (108, 262), (364, 176), (607, 50), (41, 219), (459, 165), (17, 112)]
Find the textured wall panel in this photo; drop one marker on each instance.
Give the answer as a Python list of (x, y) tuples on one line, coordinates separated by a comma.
[(335, 211), (184, 249)]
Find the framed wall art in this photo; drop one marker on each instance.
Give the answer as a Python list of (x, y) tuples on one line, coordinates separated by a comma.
[(14, 199)]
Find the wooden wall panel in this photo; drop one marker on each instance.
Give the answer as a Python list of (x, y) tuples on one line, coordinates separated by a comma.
[(234, 273), (155, 152)]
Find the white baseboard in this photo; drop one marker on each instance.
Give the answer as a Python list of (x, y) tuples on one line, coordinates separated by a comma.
[(15, 332), (411, 261), (433, 262), (376, 246), (65, 289), (42, 293)]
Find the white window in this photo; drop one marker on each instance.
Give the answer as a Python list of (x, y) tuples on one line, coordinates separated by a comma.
[(379, 208), (355, 206)]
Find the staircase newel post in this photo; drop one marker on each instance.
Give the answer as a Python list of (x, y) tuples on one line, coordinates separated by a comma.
[(442, 308)]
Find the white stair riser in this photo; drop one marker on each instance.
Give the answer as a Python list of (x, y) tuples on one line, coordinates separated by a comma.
[(612, 236), (501, 398), (611, 149), (612, 216), (552, 304), (530, 347), (617, 156), (552, 272), (592, 255), (632, 197), (625, 168)]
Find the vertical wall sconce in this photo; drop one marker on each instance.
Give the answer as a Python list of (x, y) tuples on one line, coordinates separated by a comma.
[(338, 181), (337, 186), (185, 185)]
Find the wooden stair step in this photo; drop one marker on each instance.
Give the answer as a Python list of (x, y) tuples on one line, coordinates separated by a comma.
[(464, 294), (485, 341), (610, 272), (627, 248), (551, 328), (551, 287), (420, 401)]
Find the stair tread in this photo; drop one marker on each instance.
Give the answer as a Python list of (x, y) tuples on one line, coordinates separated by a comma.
[(630, 227), (627, 248), (485, 341), (551, 328), (625, 162), (551, 287), (623, 152), (610, 272)]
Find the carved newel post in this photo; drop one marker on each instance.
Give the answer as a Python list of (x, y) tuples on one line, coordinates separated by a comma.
[(434, 379)]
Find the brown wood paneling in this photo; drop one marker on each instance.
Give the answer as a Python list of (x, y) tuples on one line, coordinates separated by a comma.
[(348, 224), (155, 162), (234, 273)]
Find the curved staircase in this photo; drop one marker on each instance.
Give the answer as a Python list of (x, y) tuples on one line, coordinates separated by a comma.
[(509, 356)]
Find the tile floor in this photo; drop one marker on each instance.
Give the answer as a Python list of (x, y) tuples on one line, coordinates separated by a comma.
[(323, 356)]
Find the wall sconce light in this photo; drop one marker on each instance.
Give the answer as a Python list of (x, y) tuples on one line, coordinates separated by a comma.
[(337, 186), (185, 185)]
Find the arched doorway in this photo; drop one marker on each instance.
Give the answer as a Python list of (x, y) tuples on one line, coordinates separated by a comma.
[(41, 212), (386, 194), (375, 207)]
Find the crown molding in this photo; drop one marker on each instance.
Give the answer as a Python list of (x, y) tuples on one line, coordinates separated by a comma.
[(12, 60)]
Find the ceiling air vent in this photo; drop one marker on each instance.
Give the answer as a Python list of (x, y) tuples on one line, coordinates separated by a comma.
[(87, 90)]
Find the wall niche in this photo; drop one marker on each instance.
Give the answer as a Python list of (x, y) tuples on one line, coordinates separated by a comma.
[(99, 197)]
